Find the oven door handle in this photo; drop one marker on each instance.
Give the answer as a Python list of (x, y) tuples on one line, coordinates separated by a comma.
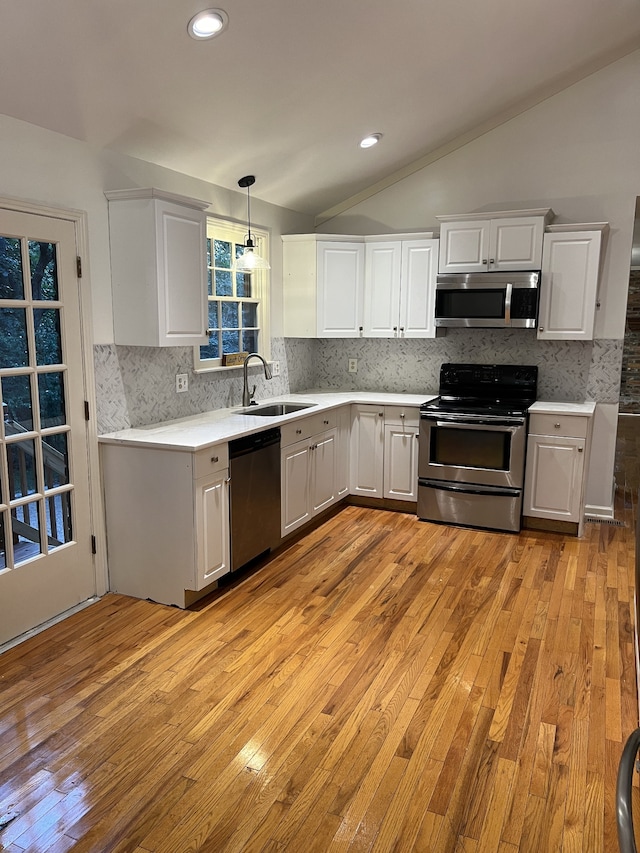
[(470, 490), (465, 423)]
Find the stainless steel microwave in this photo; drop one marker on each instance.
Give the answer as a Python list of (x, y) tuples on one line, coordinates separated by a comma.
[(487, 300)]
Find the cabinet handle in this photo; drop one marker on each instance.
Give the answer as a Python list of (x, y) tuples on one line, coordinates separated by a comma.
[(214, 458), (580, 450), (484, 262), (360, 329), (492, 260), (228, 480), (402, 330), (557, 426)]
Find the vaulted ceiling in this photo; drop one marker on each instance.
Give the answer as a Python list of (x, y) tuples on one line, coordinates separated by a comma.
[(288, 90)]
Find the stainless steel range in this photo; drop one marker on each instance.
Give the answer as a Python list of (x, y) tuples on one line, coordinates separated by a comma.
[(472, 445)]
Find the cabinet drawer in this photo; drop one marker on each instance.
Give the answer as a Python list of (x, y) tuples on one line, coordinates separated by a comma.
[(301, 428), (399, 415), (211, 459), (568, 425)]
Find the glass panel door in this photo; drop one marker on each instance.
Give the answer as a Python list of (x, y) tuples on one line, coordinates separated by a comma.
[(45, 555)]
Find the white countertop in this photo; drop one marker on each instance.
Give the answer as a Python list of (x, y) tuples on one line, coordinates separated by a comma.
[(197, 432), (542, 408)]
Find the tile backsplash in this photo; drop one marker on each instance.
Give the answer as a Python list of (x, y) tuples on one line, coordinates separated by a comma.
[(136, 385)]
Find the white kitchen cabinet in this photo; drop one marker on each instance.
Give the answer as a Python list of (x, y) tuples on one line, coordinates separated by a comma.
[(343, 426), (557, 453), (308, 469), (158, 268), (485, 242), (401, 453), (569, 287), (167, 514), (399, 288), (367, 450), (384, 451), (323, 279)]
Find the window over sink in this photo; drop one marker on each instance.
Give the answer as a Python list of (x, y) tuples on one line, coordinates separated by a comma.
[(237, 301)]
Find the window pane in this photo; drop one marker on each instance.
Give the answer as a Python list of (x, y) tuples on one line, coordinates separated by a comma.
[(222, 254), (55, 455), (25, 524), (214, 323), (44, 275), (223, 283), (3, 549), (249, 315), (230, 341), (13, 338), (230, 315), (11, 282), (243, 284), (48, 341), (16, 397), (213, 349), (22, 469), (51, 395), (250, 341), (58, 515)]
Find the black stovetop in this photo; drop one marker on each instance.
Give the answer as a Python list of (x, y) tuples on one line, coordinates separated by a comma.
[(496, 389)]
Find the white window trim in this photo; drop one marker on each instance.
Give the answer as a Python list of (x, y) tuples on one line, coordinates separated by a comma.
[(261, 285)]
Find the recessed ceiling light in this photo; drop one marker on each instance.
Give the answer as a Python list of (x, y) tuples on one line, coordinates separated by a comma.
[(370, 140), (207, 24)]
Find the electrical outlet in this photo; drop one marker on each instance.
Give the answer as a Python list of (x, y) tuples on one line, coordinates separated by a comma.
[(275, 368), (353, 365), (182, 382)]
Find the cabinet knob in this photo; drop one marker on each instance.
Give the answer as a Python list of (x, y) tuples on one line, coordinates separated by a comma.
[(402, 415), (580, 450), (380, 414), (484, 262), (492, 260), (541, 329), (214, 458), (326, 423), (402, 330), (557, 426), (228, 480), (360, 329), (298, 432)]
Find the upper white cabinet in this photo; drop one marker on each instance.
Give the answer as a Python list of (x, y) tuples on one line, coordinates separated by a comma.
[(399, 289), (323, 278), (158, 268), (481, 242), (569, 287)]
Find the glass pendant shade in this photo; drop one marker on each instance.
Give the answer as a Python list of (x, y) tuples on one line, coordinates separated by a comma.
[(249, 260)]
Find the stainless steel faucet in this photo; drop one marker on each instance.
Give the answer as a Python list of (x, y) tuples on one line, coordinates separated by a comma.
[(247, 398)]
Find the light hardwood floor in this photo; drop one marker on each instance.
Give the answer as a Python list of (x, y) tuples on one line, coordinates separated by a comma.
[(384, 684)]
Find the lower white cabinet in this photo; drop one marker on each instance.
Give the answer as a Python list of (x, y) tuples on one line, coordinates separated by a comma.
[(308, 469), (557, 452), (167, 514), (384, 452)]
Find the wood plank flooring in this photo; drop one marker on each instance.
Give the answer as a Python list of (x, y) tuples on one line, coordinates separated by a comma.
[(383, 685)]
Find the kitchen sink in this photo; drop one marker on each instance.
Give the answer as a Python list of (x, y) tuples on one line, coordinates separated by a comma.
[(273, 410)]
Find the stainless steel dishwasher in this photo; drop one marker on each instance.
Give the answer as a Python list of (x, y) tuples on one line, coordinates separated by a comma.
[(254, 463)]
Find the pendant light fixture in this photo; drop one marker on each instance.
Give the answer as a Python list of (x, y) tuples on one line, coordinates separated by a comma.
[(249, 260)]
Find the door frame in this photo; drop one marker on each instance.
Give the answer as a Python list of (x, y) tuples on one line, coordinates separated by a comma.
[(96, 512)]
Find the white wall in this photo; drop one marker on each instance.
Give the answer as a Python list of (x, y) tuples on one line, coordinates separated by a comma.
[(41, 166)]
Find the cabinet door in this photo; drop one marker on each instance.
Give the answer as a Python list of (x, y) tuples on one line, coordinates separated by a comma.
[(340, 290), (295, 501), (464, 246), (418, 288), (401, 462), (181, 264), (212, 529), (553, 480), (323, 471), (367, 447), (569, 287), (516, 243), (343, 419), (382, 289)]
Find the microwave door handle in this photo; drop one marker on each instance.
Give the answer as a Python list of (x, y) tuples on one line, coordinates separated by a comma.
[(507, 304)]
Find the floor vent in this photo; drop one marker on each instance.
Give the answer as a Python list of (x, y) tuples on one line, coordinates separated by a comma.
[(614, 522)]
